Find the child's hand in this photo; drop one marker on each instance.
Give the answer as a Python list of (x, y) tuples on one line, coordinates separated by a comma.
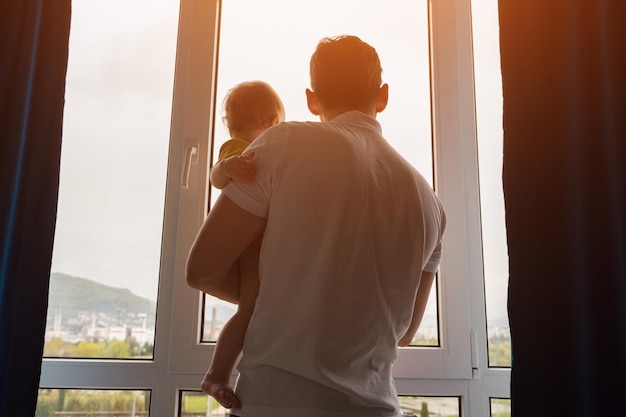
[(240, 167)]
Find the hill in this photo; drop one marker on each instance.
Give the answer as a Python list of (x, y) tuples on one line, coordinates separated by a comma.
[(75, 294)]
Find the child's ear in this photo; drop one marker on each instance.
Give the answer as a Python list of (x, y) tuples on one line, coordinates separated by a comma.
[(271, 122), (312, 102), (383, 98)]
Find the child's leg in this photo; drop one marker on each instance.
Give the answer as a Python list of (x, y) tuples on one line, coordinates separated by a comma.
[(230, 341)]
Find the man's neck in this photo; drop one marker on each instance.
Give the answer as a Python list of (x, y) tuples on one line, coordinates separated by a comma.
[(328, 115)]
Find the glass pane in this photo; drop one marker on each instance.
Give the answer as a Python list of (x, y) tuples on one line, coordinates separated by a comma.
[(500, 407), (105, 264), (86, 403), (490, 137), (216, 314), (430, 406), (279, 51), (198, 404), (427, 334)]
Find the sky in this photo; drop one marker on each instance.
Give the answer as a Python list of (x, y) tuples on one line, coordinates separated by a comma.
[(118, 110)]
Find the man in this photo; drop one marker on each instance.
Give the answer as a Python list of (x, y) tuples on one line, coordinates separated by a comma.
[(349, 228)]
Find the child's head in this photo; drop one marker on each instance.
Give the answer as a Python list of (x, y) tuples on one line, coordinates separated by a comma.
[(251, 107), (345, 73)]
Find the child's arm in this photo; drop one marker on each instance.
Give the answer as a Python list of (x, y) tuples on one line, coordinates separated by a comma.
[(426, 282), (238, 167)]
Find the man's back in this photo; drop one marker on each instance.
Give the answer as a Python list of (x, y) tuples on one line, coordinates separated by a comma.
[(350, 226)]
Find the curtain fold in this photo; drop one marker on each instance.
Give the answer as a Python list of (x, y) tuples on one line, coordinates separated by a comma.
[(564, 179), (33, 52)]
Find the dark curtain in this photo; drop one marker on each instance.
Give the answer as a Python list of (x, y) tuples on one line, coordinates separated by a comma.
[(564, 177), (33, 57)]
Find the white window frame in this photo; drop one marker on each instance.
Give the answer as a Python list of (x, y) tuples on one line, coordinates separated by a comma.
[(457, 368)]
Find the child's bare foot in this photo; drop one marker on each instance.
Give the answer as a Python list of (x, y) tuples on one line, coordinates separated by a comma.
[(222, 392)]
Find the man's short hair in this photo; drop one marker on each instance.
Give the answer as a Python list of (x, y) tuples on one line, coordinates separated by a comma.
[(345, 72)]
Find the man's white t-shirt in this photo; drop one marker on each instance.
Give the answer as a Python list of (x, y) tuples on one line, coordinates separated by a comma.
[(350, 227)]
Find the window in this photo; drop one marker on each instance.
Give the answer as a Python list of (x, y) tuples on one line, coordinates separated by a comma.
[(490, 137), (279, 53), (107, 247), (427, 406), (500, 407), (281, 60), (83, 403), (101, 345), (194, 403), (428, 61)]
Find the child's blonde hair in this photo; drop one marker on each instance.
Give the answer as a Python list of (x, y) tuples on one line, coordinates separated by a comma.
[(251, 105)]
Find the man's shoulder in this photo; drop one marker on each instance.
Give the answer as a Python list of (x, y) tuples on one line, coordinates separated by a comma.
[(289, 131), (300, 125)]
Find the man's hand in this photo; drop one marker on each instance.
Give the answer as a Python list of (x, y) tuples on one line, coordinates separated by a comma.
[(240, 167)]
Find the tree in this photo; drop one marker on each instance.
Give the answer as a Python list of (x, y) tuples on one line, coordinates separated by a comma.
[(424, 411), (45, 404), (86, 349), (54, 348), (61, 400), (117, 349)]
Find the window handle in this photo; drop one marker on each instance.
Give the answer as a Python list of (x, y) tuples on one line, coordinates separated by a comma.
[(191, 157), (474, 353)]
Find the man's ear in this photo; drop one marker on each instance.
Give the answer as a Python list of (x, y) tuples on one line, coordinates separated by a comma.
[(383, 98), (312, 102)]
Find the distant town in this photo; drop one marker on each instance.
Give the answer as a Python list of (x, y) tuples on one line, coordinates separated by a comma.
[(81, 311), (99, 327)]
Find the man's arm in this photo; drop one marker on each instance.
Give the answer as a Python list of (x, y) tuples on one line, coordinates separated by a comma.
[(226, 233), (423, 291)]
